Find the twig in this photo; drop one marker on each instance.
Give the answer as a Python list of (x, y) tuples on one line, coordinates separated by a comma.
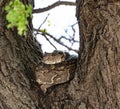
[(49, 41), (42, 23), (71, 38)]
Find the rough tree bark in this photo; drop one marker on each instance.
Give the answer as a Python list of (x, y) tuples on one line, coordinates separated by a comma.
[(18, 56), (96, 84), (99, 62)]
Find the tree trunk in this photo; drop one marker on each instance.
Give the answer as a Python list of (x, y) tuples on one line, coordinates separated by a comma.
[(99, 62), (96, 84), (18, 57)]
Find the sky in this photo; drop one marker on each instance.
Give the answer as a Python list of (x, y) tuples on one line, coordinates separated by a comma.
[(59, 19)]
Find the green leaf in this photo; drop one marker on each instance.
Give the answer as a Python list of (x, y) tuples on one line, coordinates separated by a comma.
[(17, 15), (43, 31), (49, 23)]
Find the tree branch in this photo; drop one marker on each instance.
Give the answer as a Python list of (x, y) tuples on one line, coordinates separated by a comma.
[(49, 41), (56, 40), (58, 3)]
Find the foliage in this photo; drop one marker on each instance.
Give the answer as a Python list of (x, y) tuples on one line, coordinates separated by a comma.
[(44, 31), (17, 14), (49, 22)]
